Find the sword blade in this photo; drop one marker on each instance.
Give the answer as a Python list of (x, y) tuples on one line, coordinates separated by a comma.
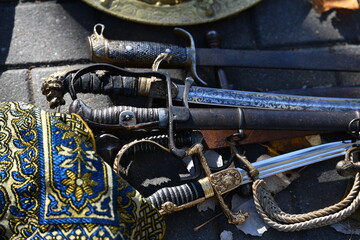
[(299, 158), (261, 100), (333, 59)]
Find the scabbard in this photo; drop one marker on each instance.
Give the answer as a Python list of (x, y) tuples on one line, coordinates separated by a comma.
[(217, 118), (246, 118)]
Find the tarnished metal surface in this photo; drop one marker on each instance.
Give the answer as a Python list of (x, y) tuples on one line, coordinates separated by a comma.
[(232, 98), (172, 12)]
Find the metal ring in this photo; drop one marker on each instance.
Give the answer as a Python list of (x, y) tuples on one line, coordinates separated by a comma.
[(350, 125)]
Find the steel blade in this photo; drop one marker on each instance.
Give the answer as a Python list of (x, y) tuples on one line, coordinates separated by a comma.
[(236, 98), (332, 59), (299, 158)]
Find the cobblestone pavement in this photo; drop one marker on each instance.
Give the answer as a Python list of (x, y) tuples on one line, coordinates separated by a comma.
[(40, 37)]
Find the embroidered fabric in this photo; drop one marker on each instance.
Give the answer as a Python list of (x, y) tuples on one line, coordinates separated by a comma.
[(53, 185)]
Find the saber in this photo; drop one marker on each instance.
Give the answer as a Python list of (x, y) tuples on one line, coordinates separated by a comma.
[(171, 199), (135, 54), (127, 84)]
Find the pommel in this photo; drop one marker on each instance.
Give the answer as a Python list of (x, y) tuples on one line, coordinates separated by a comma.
[(347, 168), (53, 88)]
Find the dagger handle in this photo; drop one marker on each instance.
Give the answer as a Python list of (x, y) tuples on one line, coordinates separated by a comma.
[(132, 53), (178, 195)]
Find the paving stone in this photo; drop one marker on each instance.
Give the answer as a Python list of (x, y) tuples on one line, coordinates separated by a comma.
[(47, 32), (14, 86), (7, 13), (38, 74), (295, 23)]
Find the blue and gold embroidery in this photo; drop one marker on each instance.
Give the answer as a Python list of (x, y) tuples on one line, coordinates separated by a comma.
[(54, 186)]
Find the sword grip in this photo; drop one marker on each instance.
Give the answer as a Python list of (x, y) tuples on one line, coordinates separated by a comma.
[(132, 53), (118, 115), (107, 84), (178, 195)]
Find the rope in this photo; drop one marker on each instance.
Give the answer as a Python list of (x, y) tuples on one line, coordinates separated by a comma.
[(269, 210)]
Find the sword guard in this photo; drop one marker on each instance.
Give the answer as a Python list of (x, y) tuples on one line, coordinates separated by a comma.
[(222, 182), (192, 55)]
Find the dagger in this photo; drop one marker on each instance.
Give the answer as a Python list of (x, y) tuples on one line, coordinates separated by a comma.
[(171, 199), (136, 54)]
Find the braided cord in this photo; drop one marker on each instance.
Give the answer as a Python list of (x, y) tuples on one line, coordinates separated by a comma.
[(269, 210)]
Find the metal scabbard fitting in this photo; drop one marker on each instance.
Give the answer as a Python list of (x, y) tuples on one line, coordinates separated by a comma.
[(98, 44)]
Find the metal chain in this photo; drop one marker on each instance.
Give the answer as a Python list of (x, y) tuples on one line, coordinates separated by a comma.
[(269, 210)]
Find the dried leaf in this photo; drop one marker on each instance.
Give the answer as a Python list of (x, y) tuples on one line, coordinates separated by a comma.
[(207, 204), (278, 147), (213, 159), (254, 225), (155, 181), (347, 226), (314, 140), (280, 181), (321, 6), (226, 235)]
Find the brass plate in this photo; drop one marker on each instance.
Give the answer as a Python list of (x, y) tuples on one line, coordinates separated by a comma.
[(172, 12)]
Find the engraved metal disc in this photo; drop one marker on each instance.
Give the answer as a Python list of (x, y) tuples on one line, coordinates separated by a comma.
[(172, 12)]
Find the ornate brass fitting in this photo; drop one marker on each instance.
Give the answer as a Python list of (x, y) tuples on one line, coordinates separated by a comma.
[(53, 88), (213, 185)]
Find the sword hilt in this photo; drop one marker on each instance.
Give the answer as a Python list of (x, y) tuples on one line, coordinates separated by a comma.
[(141, 54), (119, 115), (172, 199), (97, 79)]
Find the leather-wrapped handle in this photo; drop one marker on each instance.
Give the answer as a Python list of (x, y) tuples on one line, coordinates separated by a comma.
[(178, 195), (106, 84)]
